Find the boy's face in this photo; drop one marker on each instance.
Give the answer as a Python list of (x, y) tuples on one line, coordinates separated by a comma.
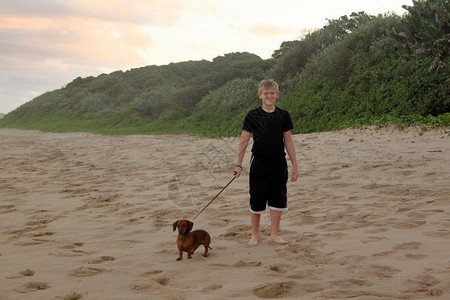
[(269, 97)]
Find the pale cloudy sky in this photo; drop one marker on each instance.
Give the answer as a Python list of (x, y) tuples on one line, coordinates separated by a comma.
[(45, 44)]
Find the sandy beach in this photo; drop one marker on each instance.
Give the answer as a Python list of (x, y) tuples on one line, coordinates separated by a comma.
[(87, 216)]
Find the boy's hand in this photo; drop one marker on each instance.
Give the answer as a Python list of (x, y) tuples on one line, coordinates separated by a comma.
[(294, 174), (237, 171)]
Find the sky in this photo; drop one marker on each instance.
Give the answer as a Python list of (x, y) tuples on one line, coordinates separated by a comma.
[(45, 44)]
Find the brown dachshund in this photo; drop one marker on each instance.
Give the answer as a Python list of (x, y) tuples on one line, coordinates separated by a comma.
[(189, 241)]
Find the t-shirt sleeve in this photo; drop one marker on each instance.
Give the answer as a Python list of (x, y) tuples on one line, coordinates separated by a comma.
[(287, 124), (248, 123)]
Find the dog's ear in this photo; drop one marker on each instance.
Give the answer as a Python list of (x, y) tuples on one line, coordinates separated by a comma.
[(190, 225), (175, 225)]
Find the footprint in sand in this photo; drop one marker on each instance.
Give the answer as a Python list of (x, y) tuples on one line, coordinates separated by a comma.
[(351, 260), (144, 286), (408, 246), (238, 232), (150, 273), (408, 224), (384, 253), (350, 283), (381, 271), (212, 288), (4, 209), (377, 230), (32, 286), (241, 264), (86, 272), (303, 255), (372, 239), (39, 234), (71, 250), (274, 290), (33, 242), (72, 245), (21, 274), (101, 259), (220, 222), (438, 233), (71, 296), (415, 256), (162, 280), (23, 231), (39, 222), (280, 268), (309, 273), (72, 253), (423, 283)]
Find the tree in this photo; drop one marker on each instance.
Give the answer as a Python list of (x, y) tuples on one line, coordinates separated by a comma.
[(426, 29), (292, 56)]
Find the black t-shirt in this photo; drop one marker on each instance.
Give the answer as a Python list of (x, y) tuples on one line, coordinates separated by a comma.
[(267, 129)]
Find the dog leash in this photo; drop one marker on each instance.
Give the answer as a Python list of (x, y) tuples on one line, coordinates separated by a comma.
[(214, 198)]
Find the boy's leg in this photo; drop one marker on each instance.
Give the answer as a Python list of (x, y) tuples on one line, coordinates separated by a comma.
[(275, 219), (255, 219)]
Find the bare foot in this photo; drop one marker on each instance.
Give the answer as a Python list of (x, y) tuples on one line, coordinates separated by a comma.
[(279, 240), (253, 242)]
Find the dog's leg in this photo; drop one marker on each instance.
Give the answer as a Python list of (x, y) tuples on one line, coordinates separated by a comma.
[(180, 257), (190, 252), (206, 251)]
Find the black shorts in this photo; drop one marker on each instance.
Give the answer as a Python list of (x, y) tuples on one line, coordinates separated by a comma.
[(268, 178)]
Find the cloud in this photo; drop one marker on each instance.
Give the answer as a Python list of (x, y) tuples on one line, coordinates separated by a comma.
[(270, 30), (45, 8), (149, 12), (73, 39), (109, 33), (208, 46), (44, 44)]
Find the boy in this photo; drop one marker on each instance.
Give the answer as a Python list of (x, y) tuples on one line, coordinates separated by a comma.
[(271, 128)]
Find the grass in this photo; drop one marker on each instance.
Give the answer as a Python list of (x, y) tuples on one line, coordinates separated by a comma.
[(55, 123)]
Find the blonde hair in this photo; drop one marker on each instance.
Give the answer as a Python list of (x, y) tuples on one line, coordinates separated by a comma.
[(267, 84)]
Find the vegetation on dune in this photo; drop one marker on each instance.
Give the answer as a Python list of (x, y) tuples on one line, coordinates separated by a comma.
[(357, 70)]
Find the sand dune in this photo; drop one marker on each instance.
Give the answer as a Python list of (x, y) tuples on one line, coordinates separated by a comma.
[(86, 216)]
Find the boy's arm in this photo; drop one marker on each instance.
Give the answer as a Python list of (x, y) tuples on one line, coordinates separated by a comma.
[(290, 148), (243, 142)]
